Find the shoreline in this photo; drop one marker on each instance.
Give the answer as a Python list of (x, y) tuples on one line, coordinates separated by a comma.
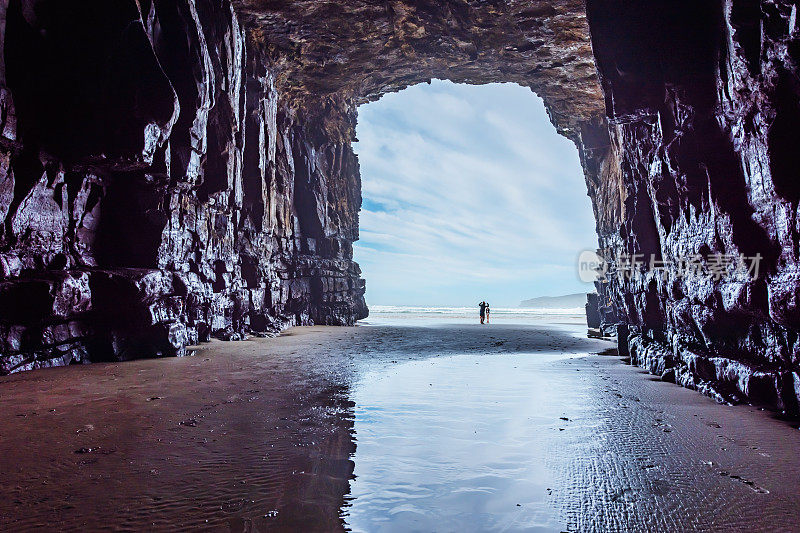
[(265, 432)]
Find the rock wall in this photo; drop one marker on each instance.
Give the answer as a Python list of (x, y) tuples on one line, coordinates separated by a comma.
[(173, 170), (156, 189), (703, 102)]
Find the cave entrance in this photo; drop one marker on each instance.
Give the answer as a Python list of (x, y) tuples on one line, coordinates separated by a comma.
[(469, 193)]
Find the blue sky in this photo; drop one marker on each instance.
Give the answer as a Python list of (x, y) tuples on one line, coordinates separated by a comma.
[(469, 194)]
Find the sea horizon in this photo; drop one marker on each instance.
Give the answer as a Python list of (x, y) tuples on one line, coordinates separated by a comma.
[(398, 314)]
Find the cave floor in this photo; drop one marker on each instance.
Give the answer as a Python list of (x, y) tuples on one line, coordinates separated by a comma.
[(388, 428)]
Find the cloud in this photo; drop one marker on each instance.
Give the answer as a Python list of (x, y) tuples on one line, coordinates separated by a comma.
[(469, 194)]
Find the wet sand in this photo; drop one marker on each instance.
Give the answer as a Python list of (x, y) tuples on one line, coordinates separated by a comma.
[(447, 428)]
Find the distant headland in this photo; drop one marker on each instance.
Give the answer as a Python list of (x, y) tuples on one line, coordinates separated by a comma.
[(567, 301)]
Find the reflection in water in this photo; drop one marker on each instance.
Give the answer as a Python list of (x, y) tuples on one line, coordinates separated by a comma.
[(459, 428), (456, 444)]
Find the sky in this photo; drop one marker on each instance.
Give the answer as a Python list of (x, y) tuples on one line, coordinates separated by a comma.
[(469, 194)]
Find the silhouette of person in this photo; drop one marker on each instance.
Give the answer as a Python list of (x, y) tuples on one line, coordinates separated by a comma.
[(483, 306), (487, 312)]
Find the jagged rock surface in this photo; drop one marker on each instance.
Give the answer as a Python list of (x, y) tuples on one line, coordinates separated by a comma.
[(156, 189), (172, 170), (175, 170), (703, 101)]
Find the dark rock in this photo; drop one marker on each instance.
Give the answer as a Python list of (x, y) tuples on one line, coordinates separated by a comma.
[(699, 100), (593, 319), (172, 171)]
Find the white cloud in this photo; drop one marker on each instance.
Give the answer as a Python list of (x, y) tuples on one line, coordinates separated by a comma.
[(469, 194)]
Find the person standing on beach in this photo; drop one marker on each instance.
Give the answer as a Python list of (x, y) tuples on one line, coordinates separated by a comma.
[(483, 306), (487, 312)]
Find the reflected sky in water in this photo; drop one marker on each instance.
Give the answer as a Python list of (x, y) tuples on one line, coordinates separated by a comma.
[(456, 443)]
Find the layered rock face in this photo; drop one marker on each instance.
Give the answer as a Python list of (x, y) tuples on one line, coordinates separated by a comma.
[(172, 170), (175, 170), (156, 189), (703, 102)]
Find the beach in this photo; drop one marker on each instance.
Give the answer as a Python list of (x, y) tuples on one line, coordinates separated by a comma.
[(391, 425)]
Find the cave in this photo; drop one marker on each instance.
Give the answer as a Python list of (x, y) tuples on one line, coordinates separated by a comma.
[(176, 171)]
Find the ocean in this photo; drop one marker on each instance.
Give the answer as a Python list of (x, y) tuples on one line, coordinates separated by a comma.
[(399, 315)]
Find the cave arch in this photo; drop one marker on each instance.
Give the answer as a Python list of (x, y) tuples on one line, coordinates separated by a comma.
[(230, 122), (229, 202)]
